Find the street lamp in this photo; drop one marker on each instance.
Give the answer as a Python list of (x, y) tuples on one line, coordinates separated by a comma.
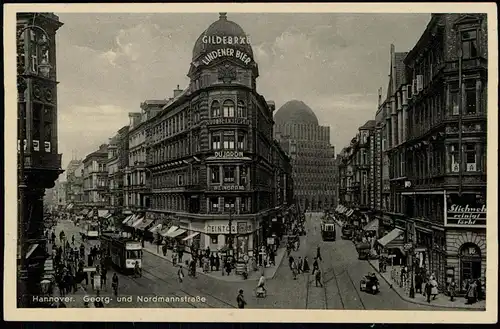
[(410, 249), (22, 85), (230, 243)]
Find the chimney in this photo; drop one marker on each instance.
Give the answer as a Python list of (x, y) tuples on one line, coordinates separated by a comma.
[(177, 91), (135, 118), (272, 106)]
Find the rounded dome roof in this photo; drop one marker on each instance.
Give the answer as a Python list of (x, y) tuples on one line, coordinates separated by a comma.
[(295, 111), (221, 28)]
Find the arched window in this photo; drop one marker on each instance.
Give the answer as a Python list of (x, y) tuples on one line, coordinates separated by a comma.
[(228, 109), (215, 109), (242, 109)]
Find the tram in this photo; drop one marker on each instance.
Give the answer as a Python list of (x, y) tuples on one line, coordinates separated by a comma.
[(328, 230), (123, 252)]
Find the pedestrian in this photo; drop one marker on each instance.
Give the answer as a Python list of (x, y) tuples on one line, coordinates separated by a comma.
[(104, 279), (114, 284), (290, 261), (164, 250), (98, 301), (318, 278), (212, 262), (471, 294), (300, 265), (315, 266), (294, 270), (418, 283), (241, 299), (428, 290), (305, 266), (181, 253), (217, 262), (479, 289), (180, 273), (434, 286), (73, 240), (318, 254), (452, 289)]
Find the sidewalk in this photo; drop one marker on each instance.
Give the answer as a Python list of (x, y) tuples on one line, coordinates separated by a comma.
[(441, 300), (269, 272)]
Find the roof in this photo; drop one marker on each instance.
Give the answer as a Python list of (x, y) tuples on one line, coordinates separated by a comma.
[(369, 124), (400, 68), (220, 28), (295, 112)]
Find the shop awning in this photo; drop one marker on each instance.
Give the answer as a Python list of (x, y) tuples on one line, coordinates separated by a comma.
[(108, 216), (349, 213), (102, 213), (127, 219), (31, 249), (70, 206), (143, 224), (138, 220), (389, 237), (132, 221), (85, 212), (167, 232), (155, 228), (371, 226), (176, 233), (191, 236)]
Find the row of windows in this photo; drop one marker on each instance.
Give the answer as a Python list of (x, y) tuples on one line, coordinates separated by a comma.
[(226, 204), (228, 174), (228, 140), (228, 110)]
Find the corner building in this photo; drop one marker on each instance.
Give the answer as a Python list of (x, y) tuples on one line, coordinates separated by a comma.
[(210, 150)]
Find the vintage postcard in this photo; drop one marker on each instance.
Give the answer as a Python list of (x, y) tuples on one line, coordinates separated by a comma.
[(251, 162)]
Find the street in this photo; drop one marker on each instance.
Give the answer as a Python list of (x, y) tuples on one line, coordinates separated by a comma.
[(341, 269)]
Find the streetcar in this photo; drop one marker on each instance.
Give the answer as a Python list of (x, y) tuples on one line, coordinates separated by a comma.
[(328, 230), (122, 251), (90, 230)]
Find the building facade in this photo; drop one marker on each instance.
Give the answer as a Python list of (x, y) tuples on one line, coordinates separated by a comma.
[(37, 122), (210, 149), (117, 162), (313, 158), (74, 186), (429, 164), (444, 154), (95, 176), (136, 186)]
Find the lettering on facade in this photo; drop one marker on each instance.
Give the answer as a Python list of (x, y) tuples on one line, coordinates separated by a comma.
[(225, 40), (226, 52), (236, 228), (222, 121), (228, 154), (458, 215), (228, 188)]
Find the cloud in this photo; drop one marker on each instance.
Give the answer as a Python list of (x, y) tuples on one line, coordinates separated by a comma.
[(109, 63)]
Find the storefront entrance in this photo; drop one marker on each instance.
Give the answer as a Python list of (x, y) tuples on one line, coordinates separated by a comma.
[(470, 262)]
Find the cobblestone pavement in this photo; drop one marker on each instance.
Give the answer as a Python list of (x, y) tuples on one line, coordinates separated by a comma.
[(342, 272)]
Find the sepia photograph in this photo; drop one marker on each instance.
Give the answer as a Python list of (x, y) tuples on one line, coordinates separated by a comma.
[(265, 160)]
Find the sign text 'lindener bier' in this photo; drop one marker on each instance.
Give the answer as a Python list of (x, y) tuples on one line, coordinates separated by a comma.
[(226, 52)]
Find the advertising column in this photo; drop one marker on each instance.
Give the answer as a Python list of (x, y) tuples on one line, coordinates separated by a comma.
[(465, 222)]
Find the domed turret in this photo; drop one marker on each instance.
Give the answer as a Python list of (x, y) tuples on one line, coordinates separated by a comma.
[(222, 33), (297, 112)]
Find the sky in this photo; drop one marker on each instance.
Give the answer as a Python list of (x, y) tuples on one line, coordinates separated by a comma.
[(107, 64)]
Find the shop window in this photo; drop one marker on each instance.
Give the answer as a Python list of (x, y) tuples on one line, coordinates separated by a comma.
[(242, 110), (229, 140), (229, 174), (470, 98), (454, 158), (215, 174), (216, 144), (215, 109), (471, 157), (469, 44), (214, 239), (228, 109)]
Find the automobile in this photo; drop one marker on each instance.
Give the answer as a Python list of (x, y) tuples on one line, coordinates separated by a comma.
[(369, 284)]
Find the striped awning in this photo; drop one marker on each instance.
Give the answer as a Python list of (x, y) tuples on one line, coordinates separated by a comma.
[(143, 224), (70, 206), (132, 220), (190, 236), (137, 221), (167, 232), (389, 237), (127, 219), (155, 228), (176, 233)]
